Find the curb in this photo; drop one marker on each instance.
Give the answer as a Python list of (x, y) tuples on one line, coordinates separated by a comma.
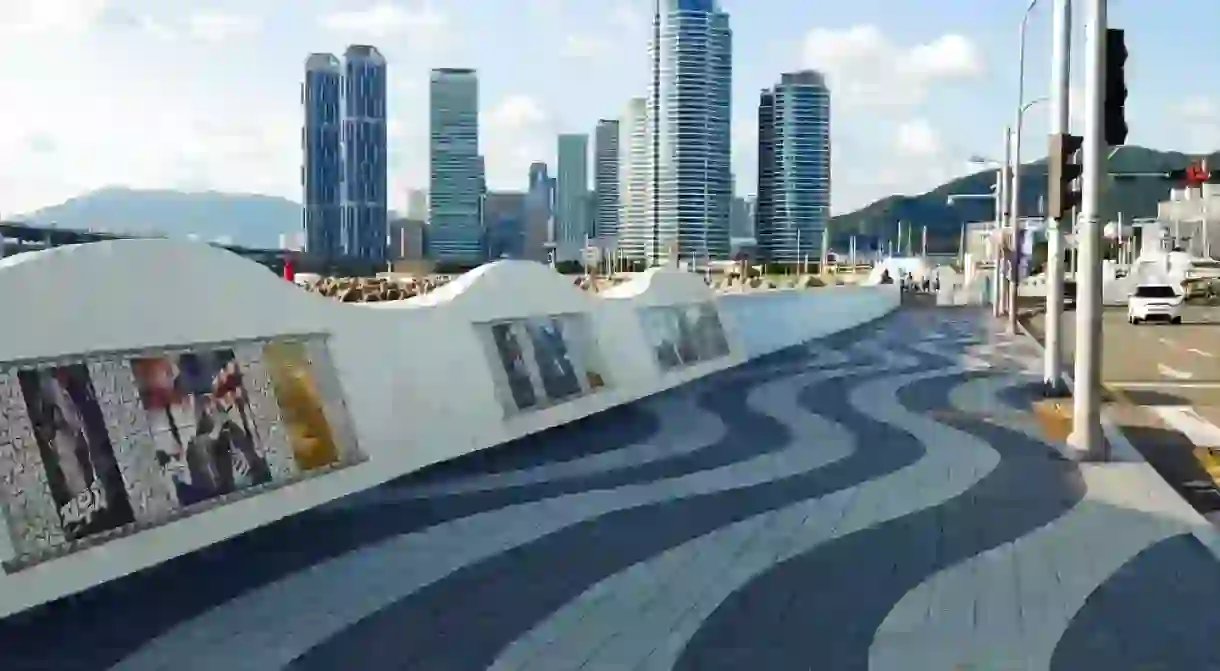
[(1203, 530)]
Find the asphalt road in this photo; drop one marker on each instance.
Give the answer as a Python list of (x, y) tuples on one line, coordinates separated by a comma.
[(1151, 369)]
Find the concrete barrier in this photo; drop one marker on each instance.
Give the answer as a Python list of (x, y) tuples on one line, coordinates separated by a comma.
[(157, 397)]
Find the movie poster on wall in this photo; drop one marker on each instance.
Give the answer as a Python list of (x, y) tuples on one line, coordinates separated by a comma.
[(708, 331), (661, 327), (560, 379), (204, 437), (578, 333), (302, 405), (511, 354), (73, 444)]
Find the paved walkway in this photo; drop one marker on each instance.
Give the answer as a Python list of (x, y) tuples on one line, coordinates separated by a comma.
[(880, 499)]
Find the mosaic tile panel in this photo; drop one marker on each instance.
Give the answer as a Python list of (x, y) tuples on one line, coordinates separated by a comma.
[(31, 513), (331, 388), (265, 411), (150, 493)]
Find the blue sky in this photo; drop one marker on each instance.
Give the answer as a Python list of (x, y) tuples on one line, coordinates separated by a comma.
[(205, 94)]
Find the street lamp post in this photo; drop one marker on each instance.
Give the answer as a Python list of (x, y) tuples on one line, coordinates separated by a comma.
[(1052, 356), (1015, 210)]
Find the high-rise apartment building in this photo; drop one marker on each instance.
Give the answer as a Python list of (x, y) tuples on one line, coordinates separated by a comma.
[(605, 179), (322, 169), (634, 231), (455, 191), (572, 184), (689, 119), (793, 206), (417, 204), (365, 149)]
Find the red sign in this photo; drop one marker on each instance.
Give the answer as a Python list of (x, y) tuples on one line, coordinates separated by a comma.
[(290, 271), (1195, 174)]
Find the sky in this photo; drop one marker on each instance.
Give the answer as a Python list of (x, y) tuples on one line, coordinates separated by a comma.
[(206, 94)]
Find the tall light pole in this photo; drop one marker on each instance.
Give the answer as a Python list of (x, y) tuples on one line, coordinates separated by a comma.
[(1052, 356), (1015, 210), (1087, 437), (1003, 213)]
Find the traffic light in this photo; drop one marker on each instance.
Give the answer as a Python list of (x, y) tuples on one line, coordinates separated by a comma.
[(1062, 168), (1116, 88)]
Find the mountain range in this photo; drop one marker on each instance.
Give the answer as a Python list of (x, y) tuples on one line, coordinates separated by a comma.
[(258, 221)]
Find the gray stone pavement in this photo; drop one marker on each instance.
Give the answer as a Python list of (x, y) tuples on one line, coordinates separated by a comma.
[(894, 505)]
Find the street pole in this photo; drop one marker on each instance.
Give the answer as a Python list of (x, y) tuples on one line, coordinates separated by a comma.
[(1052, 356), (1087, 437), (1015, 211), (923, 242), (997, 284)]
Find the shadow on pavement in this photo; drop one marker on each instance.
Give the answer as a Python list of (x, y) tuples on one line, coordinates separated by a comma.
[(1171, 454)]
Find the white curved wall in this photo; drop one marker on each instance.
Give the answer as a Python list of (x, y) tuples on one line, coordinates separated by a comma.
[(416, 374)]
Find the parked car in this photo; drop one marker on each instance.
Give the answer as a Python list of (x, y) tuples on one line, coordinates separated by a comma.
[(1161, 302)]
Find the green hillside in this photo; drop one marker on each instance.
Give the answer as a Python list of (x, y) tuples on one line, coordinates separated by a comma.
[(1133, 198)]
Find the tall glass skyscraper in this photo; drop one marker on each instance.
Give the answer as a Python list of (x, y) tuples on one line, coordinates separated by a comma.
[(605, 179), (689, 119), (635, 229), (456, 168), (365, 166), (571, 207), (322, 170), (793, 205)]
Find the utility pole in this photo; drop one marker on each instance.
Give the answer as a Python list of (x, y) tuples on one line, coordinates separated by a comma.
[(997, 284), (923, 242), (1087, 435), (1052, 357)]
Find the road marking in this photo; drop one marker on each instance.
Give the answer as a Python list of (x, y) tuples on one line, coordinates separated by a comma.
[(1191, 424), (1201, 353), (1164, 385), (1167, 341), (1173, 372)]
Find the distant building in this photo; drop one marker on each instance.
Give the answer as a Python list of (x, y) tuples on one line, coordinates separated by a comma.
[(793, 168), (539, 208), (407, 239), (635, 223), (365, 170), (504, 219), (417, 204), (322, 169), (741, 218), (606, 179), (571, 217), (456, 168)]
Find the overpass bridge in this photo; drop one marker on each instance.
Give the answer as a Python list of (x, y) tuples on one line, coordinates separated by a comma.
[(510, 473)]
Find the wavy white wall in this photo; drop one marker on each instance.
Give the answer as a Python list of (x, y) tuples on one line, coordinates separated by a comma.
[(415, 374)]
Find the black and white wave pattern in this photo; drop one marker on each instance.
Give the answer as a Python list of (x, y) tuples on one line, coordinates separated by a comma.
[(876, 499)]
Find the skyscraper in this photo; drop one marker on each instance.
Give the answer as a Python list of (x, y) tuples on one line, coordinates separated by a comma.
[(689, 119), (634, 231), (605, 179), (572, 225), (365, 166), (456, 174), (793, 168), (417, 204), (322, 171), (539, 210)]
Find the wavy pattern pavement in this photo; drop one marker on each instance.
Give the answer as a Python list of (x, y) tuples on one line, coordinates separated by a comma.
[(877, 499)]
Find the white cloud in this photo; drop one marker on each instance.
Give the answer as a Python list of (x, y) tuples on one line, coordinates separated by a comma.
[(221, 27), (39, 17), (917, 138), (386, 19), (517, 131), (867, 69)]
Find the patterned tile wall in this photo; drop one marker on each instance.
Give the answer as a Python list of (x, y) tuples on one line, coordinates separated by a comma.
[(270, 431), (30, 513)]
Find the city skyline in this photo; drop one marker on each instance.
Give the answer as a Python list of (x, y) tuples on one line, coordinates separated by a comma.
[(224, 80)]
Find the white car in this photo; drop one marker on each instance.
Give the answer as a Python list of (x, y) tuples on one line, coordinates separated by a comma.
[(1155, 302)]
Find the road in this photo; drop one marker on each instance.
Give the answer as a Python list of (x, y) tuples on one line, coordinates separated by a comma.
[(879, 499), (1163, 387)]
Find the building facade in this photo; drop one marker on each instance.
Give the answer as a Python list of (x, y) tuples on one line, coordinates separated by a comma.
[(417, 204), (689, 119), (539, 209), (322, 148), (455, 191), (793, 207), (634, 230), (605, 179), (365, 149), (572, 226)]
